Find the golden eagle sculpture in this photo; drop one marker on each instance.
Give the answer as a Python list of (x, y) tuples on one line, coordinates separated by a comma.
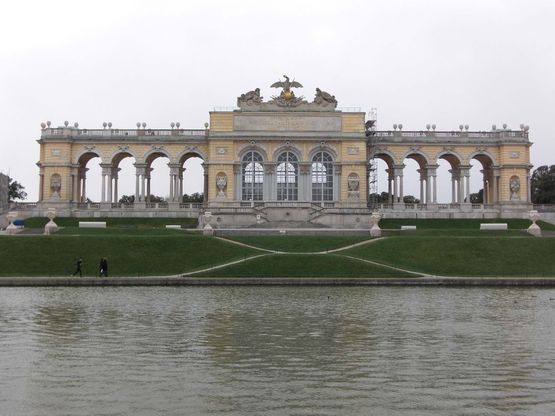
[(287, 97)]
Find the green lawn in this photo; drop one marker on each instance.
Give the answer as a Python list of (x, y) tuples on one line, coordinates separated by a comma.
[(143, 247), (299, 243), (123, 222), (301, 265), (128, 255), (460, 224), (465, 256)]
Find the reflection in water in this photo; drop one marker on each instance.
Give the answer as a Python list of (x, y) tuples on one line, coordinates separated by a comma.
[(276, 351)]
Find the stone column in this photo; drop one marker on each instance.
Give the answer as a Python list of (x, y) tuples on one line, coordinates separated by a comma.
[(237, 179), (148, 173), (206, 179), (495, 185), (84, 188), (140, 171), (337, 170), (73, 187), (115, 178), (529, 186), (41, 186), (432, 183), (465, 184), (174, 176), (106, 197), (268, 187), (180, 187), (398, 184), (390, 185), (455, 185), (304, 181), (103, 194), (423, 175)]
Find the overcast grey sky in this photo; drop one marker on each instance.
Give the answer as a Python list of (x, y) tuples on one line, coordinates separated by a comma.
[(476, 62)]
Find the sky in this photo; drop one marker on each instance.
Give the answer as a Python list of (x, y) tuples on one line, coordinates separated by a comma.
[(448, 62)]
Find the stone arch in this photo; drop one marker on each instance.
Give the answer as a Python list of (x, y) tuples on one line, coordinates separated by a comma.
[(385, 155), (322, 148), (118, 155), (484, 178), (416, 179), (458, 183), (482, 156), (87, 154), (288, 148), (79, 192), (188, 153), (420, 157), (184, 174), (250, 148), (149, 158), (454, 158), (154, 154)]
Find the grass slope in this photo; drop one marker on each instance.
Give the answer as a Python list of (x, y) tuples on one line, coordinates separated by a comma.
[(299, 265), (128, 255), (465, 256), (299, 243), (460, 224), (123, 222)]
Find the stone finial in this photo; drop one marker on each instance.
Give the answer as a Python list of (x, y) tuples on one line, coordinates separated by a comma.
[(534, 229), (51, 226), (375, 230)]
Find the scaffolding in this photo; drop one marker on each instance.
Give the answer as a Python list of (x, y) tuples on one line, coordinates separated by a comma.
[(371, 125)]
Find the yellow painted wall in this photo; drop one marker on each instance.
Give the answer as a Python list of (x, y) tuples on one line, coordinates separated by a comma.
[(352, 122), (221, 121)]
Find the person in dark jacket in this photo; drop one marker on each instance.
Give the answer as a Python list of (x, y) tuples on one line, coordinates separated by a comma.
[(78, 265), (104, 267)]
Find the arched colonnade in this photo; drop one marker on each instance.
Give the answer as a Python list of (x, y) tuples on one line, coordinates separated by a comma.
[(460, 171), (110, 171)]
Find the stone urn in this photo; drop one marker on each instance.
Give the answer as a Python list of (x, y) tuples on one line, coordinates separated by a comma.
[(51, 226), (375, 230), (221, 183), (11, 228), (534, 229), (207, 229)]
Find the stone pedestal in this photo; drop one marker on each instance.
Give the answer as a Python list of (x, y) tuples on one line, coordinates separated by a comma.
[(375, 230), (51, 226), (534, 229), (207, 229), (11, 228)]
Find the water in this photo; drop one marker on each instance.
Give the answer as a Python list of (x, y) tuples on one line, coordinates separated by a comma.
[(277, 351)]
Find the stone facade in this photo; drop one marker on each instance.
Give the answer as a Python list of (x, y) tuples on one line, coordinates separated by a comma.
[(286, 160), (4, 197)]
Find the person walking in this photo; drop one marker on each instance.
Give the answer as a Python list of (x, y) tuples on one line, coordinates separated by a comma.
[(104, 267), (78, 266)]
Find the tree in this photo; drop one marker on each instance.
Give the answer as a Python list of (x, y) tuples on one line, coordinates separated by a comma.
[(127, 199), (542, 185), (477, 198), (15, 190), (195, 197), (409, 199), (154, 198)]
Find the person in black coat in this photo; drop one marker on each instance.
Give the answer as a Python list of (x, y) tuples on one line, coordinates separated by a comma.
[(78, 265), (104, 267)]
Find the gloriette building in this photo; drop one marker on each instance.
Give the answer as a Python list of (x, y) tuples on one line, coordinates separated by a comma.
[(288, 160)]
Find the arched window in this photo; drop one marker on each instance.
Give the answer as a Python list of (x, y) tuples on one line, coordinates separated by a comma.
[(287, 177), (252, 179), (322, 177)]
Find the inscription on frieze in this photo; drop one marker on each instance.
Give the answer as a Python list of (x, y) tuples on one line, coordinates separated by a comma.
[(287, 123)]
